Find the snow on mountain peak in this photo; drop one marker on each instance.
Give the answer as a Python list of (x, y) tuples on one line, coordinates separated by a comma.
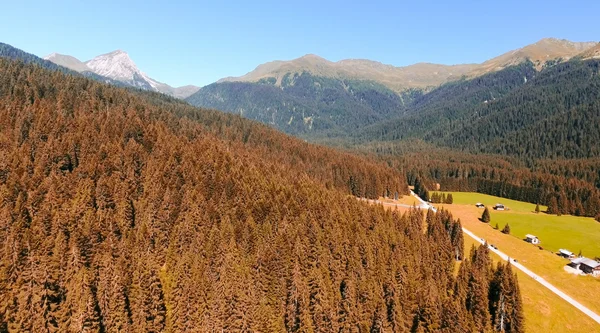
[(118, 66), (115, 65)]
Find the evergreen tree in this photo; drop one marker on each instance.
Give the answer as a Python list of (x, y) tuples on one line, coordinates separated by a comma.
[(485, 217), (537, 208), (506, 229), (478, 289), (449, 199), (553, 206)]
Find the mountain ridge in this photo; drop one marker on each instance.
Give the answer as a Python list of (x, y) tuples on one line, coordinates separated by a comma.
[(546, 49), (421, 75)]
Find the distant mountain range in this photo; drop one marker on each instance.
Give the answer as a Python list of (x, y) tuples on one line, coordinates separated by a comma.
[(313, 97), (117, 65), (421, 75)]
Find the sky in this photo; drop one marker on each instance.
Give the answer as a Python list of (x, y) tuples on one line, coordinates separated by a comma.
[(199, 42)]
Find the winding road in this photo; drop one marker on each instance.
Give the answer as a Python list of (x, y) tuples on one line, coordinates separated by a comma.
[(524, 269)]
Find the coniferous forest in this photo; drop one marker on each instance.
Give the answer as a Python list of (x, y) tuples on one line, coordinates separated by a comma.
[(127, 211)]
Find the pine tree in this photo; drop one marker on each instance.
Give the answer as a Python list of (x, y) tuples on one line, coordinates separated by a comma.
[(506, 229), (449, 199), (457, 239), (553, 206), (517, 316), (485, 217), (537, 208)]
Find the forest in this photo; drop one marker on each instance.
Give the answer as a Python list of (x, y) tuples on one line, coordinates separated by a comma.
[(572, 184), (516, 133), (517, 112), (133, 212)]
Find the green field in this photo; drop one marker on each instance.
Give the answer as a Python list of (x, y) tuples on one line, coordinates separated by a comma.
[(555, 232), (471, 198)]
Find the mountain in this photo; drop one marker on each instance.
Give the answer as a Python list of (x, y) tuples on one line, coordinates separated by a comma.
[(305, 104), (421, 75), (10, 52), (517, 111), (315, 98), (547, 49), (68, 62), (118, 66), (398, 79)]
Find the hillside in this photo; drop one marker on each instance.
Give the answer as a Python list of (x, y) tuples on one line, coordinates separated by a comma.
[(322, 100), (306, 105), (13, 53), (545, 50), (132, 212), (516, 111), (591, 53)]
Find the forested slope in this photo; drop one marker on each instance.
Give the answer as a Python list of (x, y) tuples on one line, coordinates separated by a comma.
[(132, 213), (13, 53), (518, 112), (306, 105)]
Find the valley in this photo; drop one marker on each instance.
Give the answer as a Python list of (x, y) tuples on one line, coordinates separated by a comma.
[(130, 205)]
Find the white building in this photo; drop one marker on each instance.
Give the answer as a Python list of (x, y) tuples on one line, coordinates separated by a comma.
[(532, 239), (566, 253)]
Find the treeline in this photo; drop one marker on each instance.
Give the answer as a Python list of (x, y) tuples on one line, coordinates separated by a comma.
[(494, 175), (441, 198), (124, 212)]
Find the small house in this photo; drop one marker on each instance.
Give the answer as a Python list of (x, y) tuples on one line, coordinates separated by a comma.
[(479, 205), (499, 206), (532, 239), (566, 253), (590, 266), (575, 262)]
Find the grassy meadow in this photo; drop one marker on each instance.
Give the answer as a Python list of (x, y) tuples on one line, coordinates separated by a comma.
[(555, 232), (545, 311), (543, 262)]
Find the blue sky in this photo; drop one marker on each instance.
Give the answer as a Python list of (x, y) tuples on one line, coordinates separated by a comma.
[(198, 42)]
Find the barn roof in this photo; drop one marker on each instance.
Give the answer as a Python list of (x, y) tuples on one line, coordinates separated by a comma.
[(591, 263), (565, 252)]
